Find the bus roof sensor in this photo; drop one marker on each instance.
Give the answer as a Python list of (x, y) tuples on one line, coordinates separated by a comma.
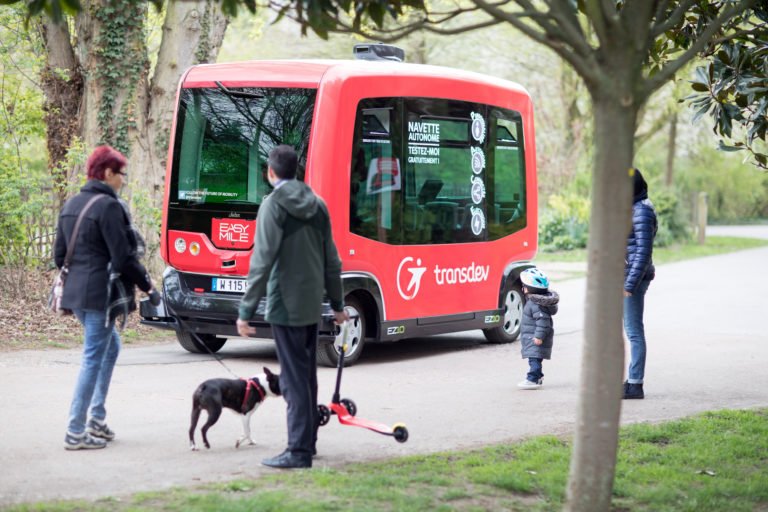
[(378, 51)]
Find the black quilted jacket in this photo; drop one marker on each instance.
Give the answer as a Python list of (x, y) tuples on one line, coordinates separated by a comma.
[(104, 238), (639, 259)]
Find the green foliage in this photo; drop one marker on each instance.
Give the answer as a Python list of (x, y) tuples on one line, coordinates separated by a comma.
[(24, 182), (671, 216), (733, 87), (565, 223), (735, 191)]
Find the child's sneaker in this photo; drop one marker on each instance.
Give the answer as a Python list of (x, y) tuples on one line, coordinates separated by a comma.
[(529, 384), (83, 441), (99, 429)]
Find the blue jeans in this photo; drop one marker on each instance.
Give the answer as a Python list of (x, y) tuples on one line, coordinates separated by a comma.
[(100, 349), (633, 325), (535, 372)]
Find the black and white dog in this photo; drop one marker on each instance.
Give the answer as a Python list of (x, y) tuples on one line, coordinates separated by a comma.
[(243, 396)]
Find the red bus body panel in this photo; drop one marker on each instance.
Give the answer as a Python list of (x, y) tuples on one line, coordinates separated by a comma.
[(455, 278)]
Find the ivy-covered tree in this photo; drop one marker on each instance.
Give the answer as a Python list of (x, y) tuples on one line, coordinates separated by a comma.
[(99, 84)]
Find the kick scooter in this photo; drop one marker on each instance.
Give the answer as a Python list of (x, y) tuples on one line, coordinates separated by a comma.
[(346, 409)]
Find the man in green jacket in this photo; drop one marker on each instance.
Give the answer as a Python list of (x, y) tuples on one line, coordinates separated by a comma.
[(294, 262)]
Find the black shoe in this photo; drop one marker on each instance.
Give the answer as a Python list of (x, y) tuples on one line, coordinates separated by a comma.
[(633, 391), (288, 460)]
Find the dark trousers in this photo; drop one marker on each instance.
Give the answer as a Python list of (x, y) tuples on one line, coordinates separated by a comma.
[(296, 350), (535, 374)]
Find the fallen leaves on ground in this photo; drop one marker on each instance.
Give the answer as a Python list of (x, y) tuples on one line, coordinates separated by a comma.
[(26, 323)]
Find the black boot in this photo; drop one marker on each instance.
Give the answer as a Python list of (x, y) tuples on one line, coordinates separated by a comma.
[(633, 391)]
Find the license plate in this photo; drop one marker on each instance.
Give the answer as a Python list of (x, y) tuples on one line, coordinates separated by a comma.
[(222, 284)]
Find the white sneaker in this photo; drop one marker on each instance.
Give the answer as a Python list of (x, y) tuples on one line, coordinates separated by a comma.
[(528, 384)]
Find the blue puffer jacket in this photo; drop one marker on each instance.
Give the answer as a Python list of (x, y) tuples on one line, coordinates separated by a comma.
[(638, 265), (537, 323)]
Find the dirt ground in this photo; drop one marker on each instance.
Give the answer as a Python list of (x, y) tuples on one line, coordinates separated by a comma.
[(26, 323)]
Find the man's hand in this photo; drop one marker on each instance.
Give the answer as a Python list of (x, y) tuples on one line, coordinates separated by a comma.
[(340, 316), (627, 294), (245, 330), (537, 341)]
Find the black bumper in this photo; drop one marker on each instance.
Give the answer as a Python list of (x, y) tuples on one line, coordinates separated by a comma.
[(189, 305)]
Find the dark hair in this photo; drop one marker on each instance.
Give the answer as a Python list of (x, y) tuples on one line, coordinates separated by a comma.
[(640, 190), (103, 158), (283, 160)]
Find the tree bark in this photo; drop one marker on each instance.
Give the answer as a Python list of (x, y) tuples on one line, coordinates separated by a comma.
[(62, 83), (192, 34), (671, 150), (596, 436)]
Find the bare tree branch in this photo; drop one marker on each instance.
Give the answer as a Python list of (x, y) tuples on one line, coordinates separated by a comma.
[(596, 15), (569, 23), (548, 35), (673, 19)]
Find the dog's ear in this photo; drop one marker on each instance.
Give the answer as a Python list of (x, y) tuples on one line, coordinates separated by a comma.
[(266, 371)]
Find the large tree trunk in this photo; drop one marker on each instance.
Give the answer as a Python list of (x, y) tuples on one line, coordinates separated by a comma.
[(596, 437), (62, 84), (192, 34)]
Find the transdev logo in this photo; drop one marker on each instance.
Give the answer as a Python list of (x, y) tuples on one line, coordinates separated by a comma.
[(233, 233), (412, 275), (411, 271)]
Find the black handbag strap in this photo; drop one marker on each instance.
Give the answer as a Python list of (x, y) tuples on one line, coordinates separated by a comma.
[(73, 238)]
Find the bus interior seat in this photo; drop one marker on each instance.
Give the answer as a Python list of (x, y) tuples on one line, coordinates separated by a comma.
[(429, 190), (445, 213)]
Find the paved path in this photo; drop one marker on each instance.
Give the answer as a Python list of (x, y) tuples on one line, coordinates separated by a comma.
[(708, 349)]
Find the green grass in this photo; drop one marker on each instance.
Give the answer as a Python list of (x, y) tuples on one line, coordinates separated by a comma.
[(677, 252), (711, 462)]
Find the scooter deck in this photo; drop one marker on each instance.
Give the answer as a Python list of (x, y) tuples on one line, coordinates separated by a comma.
[(347, 419)]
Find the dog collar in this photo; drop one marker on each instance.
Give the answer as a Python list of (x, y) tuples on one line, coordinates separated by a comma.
[(249, 384)]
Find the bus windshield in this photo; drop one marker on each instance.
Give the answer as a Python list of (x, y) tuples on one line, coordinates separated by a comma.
[(223, 139)]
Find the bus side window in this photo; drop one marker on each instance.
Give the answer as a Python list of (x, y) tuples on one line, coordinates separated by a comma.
[(376, 180), (505, 180)]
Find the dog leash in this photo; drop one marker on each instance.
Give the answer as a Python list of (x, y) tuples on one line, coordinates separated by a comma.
[(199, 342)]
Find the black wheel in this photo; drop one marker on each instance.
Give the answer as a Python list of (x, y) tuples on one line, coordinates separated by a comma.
[(328, 353), (509, 330), (193, 344), (323, 415), (350, 405), (400, 433)]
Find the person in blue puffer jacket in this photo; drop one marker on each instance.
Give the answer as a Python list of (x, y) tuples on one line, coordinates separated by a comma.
[(638, 273)]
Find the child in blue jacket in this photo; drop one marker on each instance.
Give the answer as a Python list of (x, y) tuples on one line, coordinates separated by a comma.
[(536, 330)]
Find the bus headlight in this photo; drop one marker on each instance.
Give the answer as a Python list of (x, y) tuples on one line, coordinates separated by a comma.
[(194, 248), (180, 244)]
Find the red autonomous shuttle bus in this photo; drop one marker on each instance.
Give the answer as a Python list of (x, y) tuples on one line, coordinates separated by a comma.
[(429, 175)]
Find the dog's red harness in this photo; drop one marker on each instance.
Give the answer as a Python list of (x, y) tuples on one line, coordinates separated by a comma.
[(249, 384)]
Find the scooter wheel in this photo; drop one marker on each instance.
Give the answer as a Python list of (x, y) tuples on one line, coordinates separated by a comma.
[(350, 405), (323, 415), (400, 433)]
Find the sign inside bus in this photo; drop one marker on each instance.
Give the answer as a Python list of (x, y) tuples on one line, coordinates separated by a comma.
[(233, 233)]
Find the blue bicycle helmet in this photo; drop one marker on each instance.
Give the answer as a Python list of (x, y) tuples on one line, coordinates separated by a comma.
[(535, 280)]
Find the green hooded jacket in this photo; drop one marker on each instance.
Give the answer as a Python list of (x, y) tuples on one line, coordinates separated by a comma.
[(294, 259)]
